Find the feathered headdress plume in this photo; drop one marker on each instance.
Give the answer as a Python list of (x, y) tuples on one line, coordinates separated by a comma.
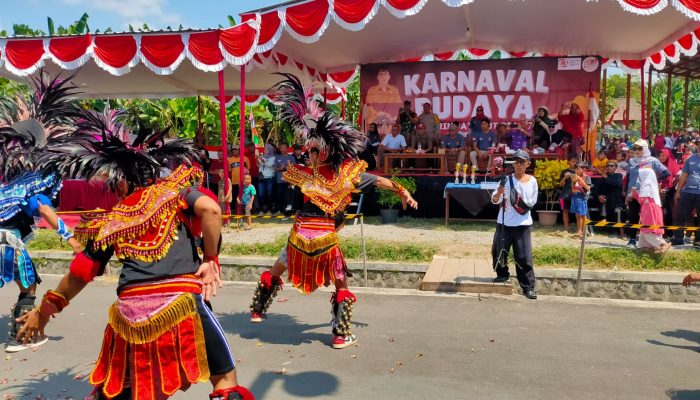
[(28, 124), (102, 147), (335, 139)]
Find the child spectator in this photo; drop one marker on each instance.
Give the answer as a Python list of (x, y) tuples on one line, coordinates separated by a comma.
[(600, 163), (248, 198), (580, 185), (565, 179)]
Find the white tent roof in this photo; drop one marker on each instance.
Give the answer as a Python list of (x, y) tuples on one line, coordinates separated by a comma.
[(324, 42)]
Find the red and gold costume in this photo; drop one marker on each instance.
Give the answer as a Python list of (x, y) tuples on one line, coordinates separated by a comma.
[(314, 257)]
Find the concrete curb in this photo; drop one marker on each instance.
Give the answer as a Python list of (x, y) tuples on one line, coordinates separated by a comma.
[(631, 285)]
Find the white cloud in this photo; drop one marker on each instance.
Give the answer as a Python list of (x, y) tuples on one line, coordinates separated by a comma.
[(151, 11)]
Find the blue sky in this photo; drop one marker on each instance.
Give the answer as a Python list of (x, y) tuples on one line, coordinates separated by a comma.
[(118, 14)]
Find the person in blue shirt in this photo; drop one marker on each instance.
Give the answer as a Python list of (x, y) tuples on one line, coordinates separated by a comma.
[(481, 142)]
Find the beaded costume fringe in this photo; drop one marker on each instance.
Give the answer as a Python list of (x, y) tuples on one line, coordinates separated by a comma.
[(149, 330)]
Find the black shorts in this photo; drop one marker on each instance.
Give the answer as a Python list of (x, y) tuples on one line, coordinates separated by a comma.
[(565, 203), (218, 351)]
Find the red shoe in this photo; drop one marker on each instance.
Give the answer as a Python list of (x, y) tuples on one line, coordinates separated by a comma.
[(341, 342), (257, 317)]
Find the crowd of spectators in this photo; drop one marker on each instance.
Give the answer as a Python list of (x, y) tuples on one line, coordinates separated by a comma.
[(264, 190), (560, 134)]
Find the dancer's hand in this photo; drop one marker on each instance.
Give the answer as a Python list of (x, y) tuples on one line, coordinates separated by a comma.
[(690, 278), (209, 274), (33, 324), (77, 247), (408, 200)]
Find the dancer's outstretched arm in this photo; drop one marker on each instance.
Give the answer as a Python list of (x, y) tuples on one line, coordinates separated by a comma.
[(406, 198), (47, 212)]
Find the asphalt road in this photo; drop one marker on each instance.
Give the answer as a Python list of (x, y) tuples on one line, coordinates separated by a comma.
[(412, 346)]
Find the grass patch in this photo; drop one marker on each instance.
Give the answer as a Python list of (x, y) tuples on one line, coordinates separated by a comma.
[(616, 259), (352, 249), (46, 239)]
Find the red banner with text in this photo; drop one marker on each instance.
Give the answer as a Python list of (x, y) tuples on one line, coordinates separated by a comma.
[(508, 90)]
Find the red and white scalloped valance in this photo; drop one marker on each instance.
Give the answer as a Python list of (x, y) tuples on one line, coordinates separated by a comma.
[(162, 53), (255, 99)]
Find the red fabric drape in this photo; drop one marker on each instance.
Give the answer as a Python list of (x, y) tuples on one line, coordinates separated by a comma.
[(632, 64), (115, 51), (238, 40), (307, 18), (24, 54), (692, 5), (478, 52), (162, 50), (269, 24), (342, 77), (656, 58), (69, 49), (403, 4), (686, 42), (518, 54), (353, 11), (671, 50), (444, 56), (205, 47), (642, 4)]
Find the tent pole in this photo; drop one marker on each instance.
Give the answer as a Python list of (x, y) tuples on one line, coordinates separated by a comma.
[(604, 98), (342, 108), (649, 100), (325, 92), (643, 101), (200, 139), (627, 102), (241, 142), (224, 135), (685, 101), (667, 125)]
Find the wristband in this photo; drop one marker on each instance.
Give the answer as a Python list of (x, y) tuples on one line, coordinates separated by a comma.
[(52, 303), (397, 187), (214, 259), (62, 230)]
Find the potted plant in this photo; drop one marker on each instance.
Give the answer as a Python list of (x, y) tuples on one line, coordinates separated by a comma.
[(547, 173), (390, 201)]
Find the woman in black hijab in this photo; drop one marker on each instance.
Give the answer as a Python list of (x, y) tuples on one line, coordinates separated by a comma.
[(540, 135)]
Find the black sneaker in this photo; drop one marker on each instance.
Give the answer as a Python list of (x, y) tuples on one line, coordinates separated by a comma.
[(530, 294), (632, 244), (501, 279)]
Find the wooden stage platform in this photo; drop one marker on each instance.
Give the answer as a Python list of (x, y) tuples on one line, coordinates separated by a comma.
[(467, 275)]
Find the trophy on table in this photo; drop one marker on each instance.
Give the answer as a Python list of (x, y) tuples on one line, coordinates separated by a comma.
[(473, 177), (457, 166), (464, 174)]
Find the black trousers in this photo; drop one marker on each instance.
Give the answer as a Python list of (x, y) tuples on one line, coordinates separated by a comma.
[(520, 239), (633, 210), (683, 216)]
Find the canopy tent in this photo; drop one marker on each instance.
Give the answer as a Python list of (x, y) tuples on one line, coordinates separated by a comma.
[(325, 40)]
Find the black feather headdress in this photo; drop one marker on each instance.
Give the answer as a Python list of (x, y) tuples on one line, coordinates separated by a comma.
[(102, 147), (335, 139), (30, 123)]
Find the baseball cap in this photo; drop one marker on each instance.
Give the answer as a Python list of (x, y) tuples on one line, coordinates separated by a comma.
[(521, 154)]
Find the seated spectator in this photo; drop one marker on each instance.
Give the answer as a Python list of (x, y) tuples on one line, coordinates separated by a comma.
[(481, 142), (454, 146), (431, 121), (600, 163), (421, 141), (609, 193), (392, 143), (374, 138), (501, 130), (559, 140), (518, 136)]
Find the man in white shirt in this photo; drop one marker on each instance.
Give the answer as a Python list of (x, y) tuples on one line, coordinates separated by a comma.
[(392, 143), (514, 225)]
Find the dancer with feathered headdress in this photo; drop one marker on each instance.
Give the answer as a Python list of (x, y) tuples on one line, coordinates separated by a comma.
[(312, 256), (166, 234), (28, 125)]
